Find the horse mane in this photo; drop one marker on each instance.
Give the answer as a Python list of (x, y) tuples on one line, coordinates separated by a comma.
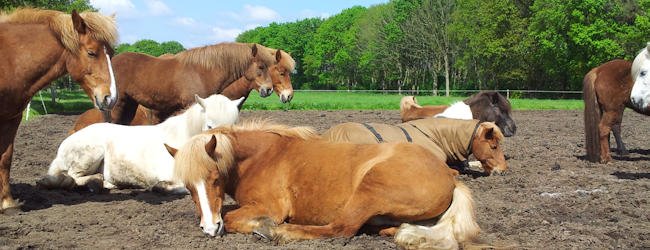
[(231, 57), (492, 96), (192, 163), (287, 61), (265, 125), (636, 64), (498, 135), (102, 28)]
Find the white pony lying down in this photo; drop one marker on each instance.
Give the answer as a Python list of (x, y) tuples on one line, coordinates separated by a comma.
[(114, 156)]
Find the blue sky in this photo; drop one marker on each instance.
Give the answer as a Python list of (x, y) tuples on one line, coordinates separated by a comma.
[(198, 23)]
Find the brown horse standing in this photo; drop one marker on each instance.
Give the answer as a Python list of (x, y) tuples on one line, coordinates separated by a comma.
[(168, 84), (39, 46), (606, 93), (145, 116), (322, 188)]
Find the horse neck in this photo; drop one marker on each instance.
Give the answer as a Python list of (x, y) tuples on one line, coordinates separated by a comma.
[(455, 136), (54, 54), (178, 129), (240, 88)]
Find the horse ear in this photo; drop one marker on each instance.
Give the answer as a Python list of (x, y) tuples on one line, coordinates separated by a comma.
[(489, 134), (172, 151), (278, 55), (239, 101), (211, 148), (199, 100), (78, 22), (648, 46), (113, 16), (254, 50)]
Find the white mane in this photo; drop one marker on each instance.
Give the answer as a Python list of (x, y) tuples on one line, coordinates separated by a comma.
[(136, 155), (640, 94), (458, 110)]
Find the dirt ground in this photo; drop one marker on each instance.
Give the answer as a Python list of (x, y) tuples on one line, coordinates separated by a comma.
[(550, 198)]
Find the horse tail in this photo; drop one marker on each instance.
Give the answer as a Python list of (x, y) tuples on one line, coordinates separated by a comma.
[(591, 117), (456, 226)]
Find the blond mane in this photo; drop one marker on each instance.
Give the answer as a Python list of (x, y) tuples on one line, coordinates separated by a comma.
[(231, 57), (287, 61), (265, 125), (193, 164), (102, 28)]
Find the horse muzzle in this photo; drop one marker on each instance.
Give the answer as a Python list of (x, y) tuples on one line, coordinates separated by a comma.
[(265, 92), (285, 97), (106, 103), (217, 229)]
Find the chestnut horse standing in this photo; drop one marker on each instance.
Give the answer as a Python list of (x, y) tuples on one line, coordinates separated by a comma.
[(39, 46), (144, 116), (487, 106), (168, 84), (606, 92), (322, 188)]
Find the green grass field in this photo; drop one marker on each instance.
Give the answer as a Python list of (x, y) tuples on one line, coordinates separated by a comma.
[(77, 101)]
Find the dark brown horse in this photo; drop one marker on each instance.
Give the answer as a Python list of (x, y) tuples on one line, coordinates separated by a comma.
[(168, 84), (606, 92), (322, 188), (39, 46), (486, 106)]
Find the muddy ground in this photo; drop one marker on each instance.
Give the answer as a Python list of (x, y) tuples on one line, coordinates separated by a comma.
[(551, 198)]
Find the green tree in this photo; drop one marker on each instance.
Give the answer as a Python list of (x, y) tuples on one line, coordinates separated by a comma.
[(60, 5)]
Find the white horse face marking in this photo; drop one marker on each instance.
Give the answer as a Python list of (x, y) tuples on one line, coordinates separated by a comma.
[(640, 94), (210, 209)]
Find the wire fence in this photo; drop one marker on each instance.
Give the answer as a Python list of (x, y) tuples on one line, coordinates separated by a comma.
[(508, 93)]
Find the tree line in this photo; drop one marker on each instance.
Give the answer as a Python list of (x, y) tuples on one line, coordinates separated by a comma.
[(460, 44)]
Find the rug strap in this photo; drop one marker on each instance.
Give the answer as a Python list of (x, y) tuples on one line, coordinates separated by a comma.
[(374, 132)]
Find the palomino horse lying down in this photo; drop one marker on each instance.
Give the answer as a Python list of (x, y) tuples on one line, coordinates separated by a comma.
[(112, 155), (607, 90), (487, 106), (322, 189), (451, 140)]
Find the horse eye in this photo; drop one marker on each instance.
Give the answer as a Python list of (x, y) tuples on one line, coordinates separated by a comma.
[(642, 73), (216, 181), (92, 54), (281, 74), (493, 147)]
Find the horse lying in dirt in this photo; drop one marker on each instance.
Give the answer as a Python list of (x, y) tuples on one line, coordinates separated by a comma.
[(451, 140), (106, 155), (323, 188), (487, 106)]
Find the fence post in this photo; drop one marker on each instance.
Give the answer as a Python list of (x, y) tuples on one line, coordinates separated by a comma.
[(508, 94)]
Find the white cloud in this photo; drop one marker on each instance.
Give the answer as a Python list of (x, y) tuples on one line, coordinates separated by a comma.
[(158, 8), (225, 35), (252, 26), (260, 13), (129, 38), (122, 8), (186, 21)]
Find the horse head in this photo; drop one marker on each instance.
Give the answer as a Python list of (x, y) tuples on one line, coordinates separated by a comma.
[(640, 95), (203, 167), (493, 107), (217, 110), (280, 76), (408, 102), (487, 149), (89, 62), (258, 72)]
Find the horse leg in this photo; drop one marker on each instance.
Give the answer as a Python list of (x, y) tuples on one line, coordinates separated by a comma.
[(616, 130), (170, 188), (247, 219), (9, 129), (604, 128), (95, 182), (351, 217)]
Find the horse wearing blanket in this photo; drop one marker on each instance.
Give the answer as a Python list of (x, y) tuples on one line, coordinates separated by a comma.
[(451, 140)]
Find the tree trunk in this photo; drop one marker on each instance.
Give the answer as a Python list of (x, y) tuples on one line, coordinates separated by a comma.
[(446, 74)]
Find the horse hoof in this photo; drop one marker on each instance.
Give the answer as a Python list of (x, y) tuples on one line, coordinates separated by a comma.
[(11, 211)]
